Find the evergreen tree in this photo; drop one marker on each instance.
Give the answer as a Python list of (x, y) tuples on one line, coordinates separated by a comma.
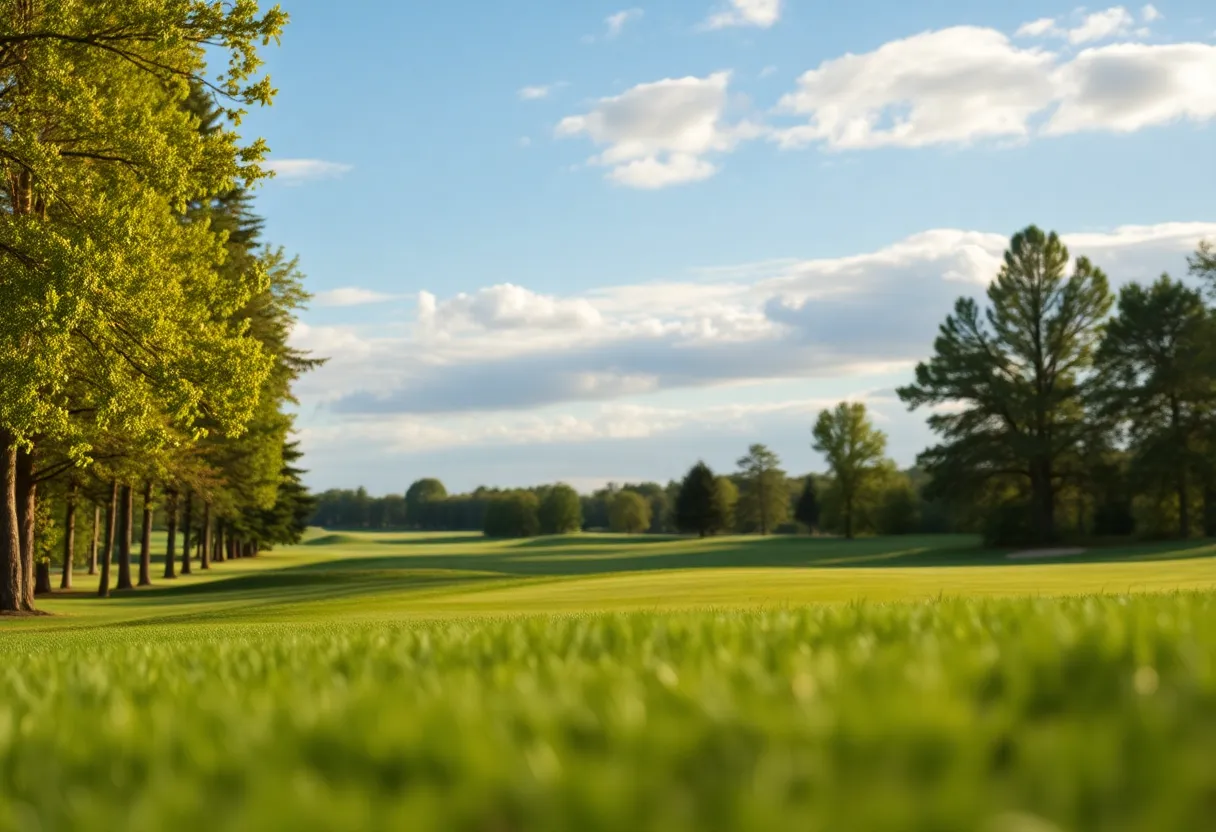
[(698, 510), (807, 511), (1018, 370)]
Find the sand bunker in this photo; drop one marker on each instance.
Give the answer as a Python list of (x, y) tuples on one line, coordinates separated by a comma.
[(1045, 554)]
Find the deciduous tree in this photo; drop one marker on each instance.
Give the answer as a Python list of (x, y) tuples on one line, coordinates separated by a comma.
[(854, 451)]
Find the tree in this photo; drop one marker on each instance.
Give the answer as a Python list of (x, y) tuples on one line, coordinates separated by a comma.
[(629, 513), (416, 498), (115, 316), (1015, 376), (764, 500), (513, 515), (1154, 378), (561, 511), (698, 509), (854, 450), (726, 503), (807, 512), (897, 510)]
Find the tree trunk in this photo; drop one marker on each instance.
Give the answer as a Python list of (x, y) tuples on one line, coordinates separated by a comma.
[(187, 519), (69, 538), (12, 578), (107, 555), (42, 578), (145, 539), (27, 505), (204, 557), (217, 554), (126, 522), (93, 543), (1044, 502), (171, 544), (848, 518)]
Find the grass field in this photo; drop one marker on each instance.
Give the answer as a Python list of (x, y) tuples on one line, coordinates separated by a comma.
[(393, 682)]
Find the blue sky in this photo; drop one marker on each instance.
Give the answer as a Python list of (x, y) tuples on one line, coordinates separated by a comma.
[(595, 241)]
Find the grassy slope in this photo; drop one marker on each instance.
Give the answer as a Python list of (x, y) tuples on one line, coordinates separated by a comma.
[(392, 576), (301, 691)]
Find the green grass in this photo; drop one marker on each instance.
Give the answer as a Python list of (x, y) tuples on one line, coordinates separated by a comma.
[(408, 682)]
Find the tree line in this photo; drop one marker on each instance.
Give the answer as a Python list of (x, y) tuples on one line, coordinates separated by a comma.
[(759, 497), (145, 371), (1062, 411)]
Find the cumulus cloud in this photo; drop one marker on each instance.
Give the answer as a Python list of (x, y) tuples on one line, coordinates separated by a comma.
[(1116, 21), (760, 13), (508, 349), (1039, 28), (617, 22), (660, 133), (965, 84), (350, 296), (505, 307), (298, 171), (1127, 87)]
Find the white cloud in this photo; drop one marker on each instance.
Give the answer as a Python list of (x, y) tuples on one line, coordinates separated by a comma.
[(767, 71), (505, 348), (297, 171), (1042, 27), (535, 93), (1127, 87), (616, 22), (1102, 26), (950, 86), (505, 307), (1150, 14), (658, 134), (960, 85), (760, 13), (350, 296)]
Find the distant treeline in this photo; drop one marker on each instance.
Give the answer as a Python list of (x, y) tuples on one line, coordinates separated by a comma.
[(747, 503)]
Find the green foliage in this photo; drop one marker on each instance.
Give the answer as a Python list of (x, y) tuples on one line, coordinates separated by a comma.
[(899, 509), (807, 511), (513, 515), (629, 513), (561, 512), (726, 502), (1084, 713), (421, 493), (699, 508), (763, 499), (854, 450), (1013, 376), (1155, 370)]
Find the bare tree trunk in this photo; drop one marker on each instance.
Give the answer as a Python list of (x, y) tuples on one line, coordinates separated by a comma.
[(187, 519), (107, 554), (171, 545), (69, 538), (27, 505), (205, 550), (145, 539), (93, 543), (218, 553), (126, 522), (12, 578)]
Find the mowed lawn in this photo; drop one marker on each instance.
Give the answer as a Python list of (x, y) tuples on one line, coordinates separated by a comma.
[(368, 576), (603, 684)]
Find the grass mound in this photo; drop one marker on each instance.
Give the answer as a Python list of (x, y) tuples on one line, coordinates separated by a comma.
[(1082, 713)]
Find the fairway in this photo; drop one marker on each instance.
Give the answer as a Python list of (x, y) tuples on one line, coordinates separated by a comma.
[(398, 681), (369, 577)]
